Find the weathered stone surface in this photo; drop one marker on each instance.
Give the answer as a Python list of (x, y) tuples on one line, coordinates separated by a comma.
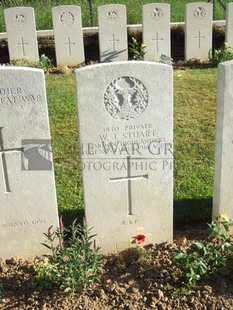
[(156, 30), (126, 128), (21, 33), (229, 24), (113, 41), (223, 179), (68, 35), (198, 30), (27, 187)]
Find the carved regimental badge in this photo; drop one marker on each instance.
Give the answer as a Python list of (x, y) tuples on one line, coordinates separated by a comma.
[(20, 19), (125, 98), (157, 14), (67, 19), (199, 13), (113, 15)]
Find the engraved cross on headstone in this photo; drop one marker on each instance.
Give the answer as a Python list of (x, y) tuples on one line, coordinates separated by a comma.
[(199, 39), (129, 179), (157, 39), (3, 152), (69, 43), (23, 48), (113, 42)]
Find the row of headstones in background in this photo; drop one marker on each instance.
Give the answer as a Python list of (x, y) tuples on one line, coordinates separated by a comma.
[(22, 41), (127, 155), (68, 36)]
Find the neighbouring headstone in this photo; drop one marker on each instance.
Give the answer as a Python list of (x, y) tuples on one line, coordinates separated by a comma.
[(198, 30), (68, 35), (223, 179), (229, 24), (21, 33), (127, 152), (27, 187), (156, 30), (113, 41)]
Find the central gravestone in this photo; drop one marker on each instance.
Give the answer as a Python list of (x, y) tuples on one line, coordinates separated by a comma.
[(126, 130), (27, 187)]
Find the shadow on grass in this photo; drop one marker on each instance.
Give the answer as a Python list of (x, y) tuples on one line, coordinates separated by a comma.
[(69, 216), (192, 212), (186, 212)]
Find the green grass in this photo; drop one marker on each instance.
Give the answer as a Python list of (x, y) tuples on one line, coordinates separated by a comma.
[(194, 140), (134, 7), (64, 132)]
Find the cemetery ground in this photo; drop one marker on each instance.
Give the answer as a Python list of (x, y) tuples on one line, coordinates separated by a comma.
[(142, 278)]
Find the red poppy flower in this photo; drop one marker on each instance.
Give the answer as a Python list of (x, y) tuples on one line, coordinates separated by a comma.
[(140, 239)]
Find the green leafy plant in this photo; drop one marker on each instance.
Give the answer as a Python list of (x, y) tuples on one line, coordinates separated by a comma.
[(138, 50), (222, 54), (206, 256), (45, 277), (176, 292), (73, 262), (183, 63), (44, 63)]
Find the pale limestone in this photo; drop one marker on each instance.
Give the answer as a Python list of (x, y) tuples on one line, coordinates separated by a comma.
[(68, 35), (113, 42), (229, 24), (156, 30), (126, 132), (21, 33), (223, 179), (198, 30), (27, 196)]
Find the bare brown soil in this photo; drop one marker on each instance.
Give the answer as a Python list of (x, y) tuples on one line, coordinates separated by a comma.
[(124, 285)]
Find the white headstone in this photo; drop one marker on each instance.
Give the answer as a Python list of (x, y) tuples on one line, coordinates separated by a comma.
[(113, 42), (156, 30), (229, 24), (198, 30), (21, 33), (223, 179), (68, 35), (27, 188), (126, 129)]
